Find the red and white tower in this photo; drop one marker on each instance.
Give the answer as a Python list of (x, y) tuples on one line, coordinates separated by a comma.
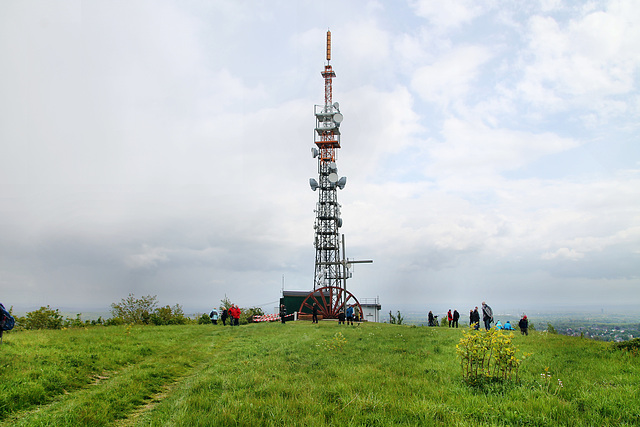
[(329, 270), (329, 293)]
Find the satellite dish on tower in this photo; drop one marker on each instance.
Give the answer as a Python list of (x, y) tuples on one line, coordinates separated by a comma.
[(313, 183), (333, 177), (337, 117), (336, 106), (342, 182)]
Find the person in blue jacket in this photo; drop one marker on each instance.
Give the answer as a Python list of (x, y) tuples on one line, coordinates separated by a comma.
[(214, 316), (507, 326), (350, 315)]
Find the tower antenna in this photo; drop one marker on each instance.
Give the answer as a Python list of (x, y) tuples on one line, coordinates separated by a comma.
[(331, 269)]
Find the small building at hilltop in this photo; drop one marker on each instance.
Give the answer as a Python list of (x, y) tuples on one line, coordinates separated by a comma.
[(371, 309)]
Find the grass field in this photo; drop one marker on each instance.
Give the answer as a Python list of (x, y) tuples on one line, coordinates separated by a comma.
[(302, 374)]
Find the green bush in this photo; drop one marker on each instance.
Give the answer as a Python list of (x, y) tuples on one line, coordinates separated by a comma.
[(487, 355), (632, 346), (78, 323), (168, 315), (134, 310), (204, 319), (43, 318)]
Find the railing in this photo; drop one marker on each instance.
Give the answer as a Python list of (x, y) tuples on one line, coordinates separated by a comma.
[(375, 300)]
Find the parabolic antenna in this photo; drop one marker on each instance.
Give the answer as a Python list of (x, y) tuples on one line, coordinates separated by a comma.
[(337, 117), (336, 106), (333, 177)]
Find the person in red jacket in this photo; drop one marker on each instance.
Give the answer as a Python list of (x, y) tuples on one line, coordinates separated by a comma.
[(234, 313), (449, 317), (238, 313)]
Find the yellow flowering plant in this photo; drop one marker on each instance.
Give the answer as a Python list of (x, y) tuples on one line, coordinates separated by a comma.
[(489, 355)]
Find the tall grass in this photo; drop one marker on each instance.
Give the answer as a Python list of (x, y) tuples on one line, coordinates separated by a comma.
[(305, 374)]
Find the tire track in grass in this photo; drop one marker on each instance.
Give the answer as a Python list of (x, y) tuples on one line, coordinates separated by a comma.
[(115, 395), (141, 411)]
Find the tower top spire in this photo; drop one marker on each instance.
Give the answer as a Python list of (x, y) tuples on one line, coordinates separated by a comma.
[(328, 45)]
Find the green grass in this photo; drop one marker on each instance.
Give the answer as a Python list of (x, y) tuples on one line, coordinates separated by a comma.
[(303, 374)]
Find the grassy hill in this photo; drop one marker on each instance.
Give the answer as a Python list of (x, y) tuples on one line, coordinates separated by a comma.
[(303, 374)]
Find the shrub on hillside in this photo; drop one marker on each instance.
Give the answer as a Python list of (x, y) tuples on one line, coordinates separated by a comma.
[(79, 323), (134, 310), (114, 321), (43, 318), (168, 316), (487, 355), (632, 346), (204, 319)]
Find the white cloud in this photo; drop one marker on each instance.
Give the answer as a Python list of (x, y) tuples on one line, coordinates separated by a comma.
[(365, 41), (148, 257), (475, 149), (448, 80), (447, 15), (584, 61), (565, 253)]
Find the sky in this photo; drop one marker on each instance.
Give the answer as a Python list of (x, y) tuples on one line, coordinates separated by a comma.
[(491, 149)]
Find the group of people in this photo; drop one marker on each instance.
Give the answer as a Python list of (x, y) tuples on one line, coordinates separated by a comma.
[(487, 317), (506, 327), (452, 318), (353, 312), (474, 320), (232, 314)]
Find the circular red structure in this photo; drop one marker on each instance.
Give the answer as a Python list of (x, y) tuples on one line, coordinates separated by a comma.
[(329, 300)]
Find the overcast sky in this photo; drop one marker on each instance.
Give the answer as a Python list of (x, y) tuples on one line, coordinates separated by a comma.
[(492, 151)]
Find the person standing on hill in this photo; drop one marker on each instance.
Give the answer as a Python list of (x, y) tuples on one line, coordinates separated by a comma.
[(476, 319), (356, 313), (234, 313), (350, 315), (315, 313), (456, 316), (449, 317), (231, 312), (225, 315), (7, 321), (487, 315), (214, 316), (283, 313), (431, 318), (524, 325)]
